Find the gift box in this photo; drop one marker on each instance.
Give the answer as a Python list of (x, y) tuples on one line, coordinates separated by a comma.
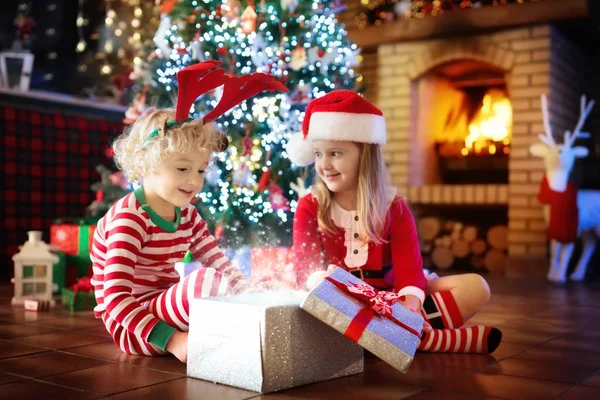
[(36, 305), (264, 342), (368, 317), (74, 238), (187, 266), (79, 296), (273, 264)]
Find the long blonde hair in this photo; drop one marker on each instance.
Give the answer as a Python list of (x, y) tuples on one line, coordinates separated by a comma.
[(373, 183), (137, 158)]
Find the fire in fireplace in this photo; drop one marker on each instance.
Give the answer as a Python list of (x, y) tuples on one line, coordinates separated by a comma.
[(466, 116)]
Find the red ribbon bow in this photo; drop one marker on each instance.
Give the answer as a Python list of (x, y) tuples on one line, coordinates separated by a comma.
[(83, 285), (379, 302)]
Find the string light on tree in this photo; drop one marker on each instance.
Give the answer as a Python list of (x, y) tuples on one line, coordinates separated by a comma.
[(251, 190)]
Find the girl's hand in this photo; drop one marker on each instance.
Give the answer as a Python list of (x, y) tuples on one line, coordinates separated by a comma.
[(316, 277), (414, 304), (178, 345)]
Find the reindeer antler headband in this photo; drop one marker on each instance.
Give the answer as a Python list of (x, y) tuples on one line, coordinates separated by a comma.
[(197, 79)]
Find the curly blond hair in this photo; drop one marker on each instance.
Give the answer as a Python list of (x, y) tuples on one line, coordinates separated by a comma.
[(136, 158)]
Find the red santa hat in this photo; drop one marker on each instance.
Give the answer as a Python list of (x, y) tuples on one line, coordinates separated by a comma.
[(340, 115)]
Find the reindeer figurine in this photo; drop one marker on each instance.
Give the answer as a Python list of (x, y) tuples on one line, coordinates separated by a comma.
[(569, 213)]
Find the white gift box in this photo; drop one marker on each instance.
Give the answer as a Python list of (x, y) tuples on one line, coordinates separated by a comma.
[(264, 342)]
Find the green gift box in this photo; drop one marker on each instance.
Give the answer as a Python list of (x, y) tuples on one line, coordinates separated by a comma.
[(78, 301)]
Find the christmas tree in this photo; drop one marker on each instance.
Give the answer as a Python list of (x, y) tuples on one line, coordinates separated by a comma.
[(250, 192)]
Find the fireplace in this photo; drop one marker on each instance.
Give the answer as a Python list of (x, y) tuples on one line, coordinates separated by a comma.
[(435, 93), (463, 124)]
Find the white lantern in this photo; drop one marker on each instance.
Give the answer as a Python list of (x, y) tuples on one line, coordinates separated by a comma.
[(33, 270)]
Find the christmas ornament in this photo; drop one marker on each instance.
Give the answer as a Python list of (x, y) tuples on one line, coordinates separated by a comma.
[(301, 95), (277, 199), (325, 57), (242, 176), (249, 20), (298, 58)]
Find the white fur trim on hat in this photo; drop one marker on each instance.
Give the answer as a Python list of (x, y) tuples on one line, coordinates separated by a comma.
[(362, 128), (300, 150)]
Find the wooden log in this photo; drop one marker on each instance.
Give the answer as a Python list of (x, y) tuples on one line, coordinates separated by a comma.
[(442, 257), (460, 249), (426, 246), (497, 237), (495, 261), (478, 246), (469, 233), (428, 228), (446, 241), (477, 262)]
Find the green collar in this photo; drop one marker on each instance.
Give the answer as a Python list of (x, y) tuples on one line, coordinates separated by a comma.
[(167, 226)]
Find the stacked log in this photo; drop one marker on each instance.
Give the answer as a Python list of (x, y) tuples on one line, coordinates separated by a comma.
[(443, 243)]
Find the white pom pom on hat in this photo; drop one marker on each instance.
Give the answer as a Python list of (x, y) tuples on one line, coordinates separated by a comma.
[(340, 115)]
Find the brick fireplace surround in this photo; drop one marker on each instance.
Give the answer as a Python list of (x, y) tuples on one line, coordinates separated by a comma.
[(535, 59)]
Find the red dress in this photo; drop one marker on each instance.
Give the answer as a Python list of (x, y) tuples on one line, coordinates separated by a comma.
[(396, 264)]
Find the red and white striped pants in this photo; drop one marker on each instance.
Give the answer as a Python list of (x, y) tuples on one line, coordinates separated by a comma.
[(172, 306)]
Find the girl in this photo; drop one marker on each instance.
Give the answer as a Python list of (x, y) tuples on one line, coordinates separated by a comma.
[(137, 243), (353, 218)]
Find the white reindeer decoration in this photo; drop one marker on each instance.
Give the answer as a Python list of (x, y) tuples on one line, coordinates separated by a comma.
[(583, 217)]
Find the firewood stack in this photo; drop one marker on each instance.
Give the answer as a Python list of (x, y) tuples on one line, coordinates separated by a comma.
[(446, 243)]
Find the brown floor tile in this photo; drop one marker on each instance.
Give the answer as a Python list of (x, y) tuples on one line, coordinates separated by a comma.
[(507, 349), (424, 371), (186, 388), (12, 349), (63, 339), (513, 335), (594, 381), (73, 321), (562, 356), (111, 378), (350, 388), (48, 363), (32, 389), (11, 331), (505, 387), (9, 378), (537, 325), (98, 330), (109, 351), (435, 394), (575, 342), (106, 351), (459, 362), (541, 370), (581, 393)]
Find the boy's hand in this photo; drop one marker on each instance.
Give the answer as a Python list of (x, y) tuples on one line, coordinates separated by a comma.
[(178, 345)]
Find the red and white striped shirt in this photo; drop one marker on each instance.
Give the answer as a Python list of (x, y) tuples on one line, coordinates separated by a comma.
[(133, 261)]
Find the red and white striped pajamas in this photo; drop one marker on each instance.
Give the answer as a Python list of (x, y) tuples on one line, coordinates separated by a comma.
[(134, 279)]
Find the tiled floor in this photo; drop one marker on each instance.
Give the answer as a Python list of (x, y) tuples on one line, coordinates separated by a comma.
[(551, 349)]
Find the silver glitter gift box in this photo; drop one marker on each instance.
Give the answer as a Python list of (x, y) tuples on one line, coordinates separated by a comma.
[(265, 342), (382, 337)]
